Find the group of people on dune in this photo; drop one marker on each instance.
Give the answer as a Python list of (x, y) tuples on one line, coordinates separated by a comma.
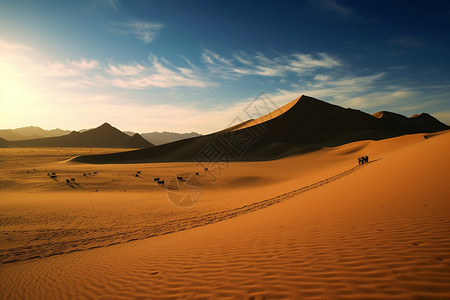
[(363, 160)]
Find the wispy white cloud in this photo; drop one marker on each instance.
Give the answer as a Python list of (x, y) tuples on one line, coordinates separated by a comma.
[(90, 92), (241, 56), (84, 82), (415, 107), (90, 73), (84, 64), (356, 80), (125, 70), (258, 64), (144, 31), (213, 58), (68, 68), (377, 99), (321, 77), (158, 74), (360, 92), (307, 61)]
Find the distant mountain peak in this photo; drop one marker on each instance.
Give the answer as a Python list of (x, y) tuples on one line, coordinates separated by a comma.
[(106, 128), (105, 136), (159, 138), (104, 125), (137, 141)]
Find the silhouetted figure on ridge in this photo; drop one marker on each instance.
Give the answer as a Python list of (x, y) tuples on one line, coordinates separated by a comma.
[(363, 160)]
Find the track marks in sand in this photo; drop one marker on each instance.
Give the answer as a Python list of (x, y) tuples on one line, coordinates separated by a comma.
[(73, 240)]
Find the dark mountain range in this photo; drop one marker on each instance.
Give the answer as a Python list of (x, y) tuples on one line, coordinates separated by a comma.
[(33, 132), (160, 138), (137, 141), (104, 136), (30, 132), (3, 143)]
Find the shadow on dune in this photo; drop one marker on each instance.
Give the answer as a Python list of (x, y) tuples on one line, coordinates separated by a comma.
[(304, 125)]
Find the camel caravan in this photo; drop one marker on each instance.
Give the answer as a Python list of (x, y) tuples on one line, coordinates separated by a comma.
[(179, 178), (69, 181), (363, 160), (89, 174), (160, 182), (52, 175)]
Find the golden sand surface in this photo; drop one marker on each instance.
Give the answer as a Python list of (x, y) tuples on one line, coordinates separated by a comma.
[(315, 225)]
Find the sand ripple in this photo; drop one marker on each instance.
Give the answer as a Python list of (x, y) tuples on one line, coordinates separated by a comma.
[(49, 242)]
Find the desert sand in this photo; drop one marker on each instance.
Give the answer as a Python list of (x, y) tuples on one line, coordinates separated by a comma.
[(314, 225)]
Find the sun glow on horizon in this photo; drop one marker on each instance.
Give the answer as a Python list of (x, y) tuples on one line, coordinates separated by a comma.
[(17, 97), (145, 66)]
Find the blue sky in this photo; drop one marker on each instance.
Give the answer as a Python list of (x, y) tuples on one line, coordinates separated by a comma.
[(195, 65)]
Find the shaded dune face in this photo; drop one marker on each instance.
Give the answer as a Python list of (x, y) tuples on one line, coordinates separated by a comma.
[(417, 123), (303, 125), (311, 121)]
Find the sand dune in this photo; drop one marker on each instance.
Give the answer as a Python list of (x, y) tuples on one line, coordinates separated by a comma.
[(336, 230), (303, 125), (274, 114)]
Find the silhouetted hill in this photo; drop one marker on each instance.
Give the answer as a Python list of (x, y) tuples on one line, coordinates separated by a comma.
[(3, 143), (400, 124), (104, 136), (424, 120), (137, 141), (10, 135), (311, 121), (33, 132), (159, 138), (303, 125), (30, 132)]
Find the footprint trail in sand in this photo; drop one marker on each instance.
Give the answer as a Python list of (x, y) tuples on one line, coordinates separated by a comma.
[(103, 237)]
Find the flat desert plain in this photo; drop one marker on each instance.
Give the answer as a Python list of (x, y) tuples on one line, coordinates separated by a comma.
[(315, 225)]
